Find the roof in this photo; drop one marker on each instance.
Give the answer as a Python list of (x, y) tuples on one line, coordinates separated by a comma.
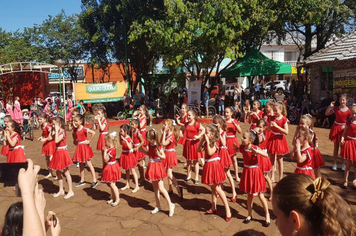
[(342, 49)]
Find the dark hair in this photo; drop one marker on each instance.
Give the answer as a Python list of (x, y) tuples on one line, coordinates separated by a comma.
[(60, 121), (81, 101), (253, 137), (216, 135), (194, 113), (43, 115), (8, 117), (81, 118), (249, 232), (103, 110), (16, 126), (259, 104), (127, 129), (261, 121), (218, 120), (13, 220)]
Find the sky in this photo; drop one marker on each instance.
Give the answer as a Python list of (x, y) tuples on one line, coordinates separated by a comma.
[(19, 14)]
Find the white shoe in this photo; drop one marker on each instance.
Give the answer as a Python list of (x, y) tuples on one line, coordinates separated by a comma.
[(172, 213), (155, 210), (343, 167), (77, 164), (334, 167), (110, 201)]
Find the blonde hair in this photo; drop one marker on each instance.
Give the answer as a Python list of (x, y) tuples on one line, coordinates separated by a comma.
[(113, 138), (282, 106), (216, 135), (152, 134), (173, 129), (218, 120), (308, 119)]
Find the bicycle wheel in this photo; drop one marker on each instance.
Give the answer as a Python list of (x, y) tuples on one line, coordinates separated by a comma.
[(88, 122), (121, 115), (212, 111), (35, 124), (30, 134)]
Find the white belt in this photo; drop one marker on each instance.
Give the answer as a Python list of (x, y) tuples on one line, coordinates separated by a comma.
[(170, 150), (111, 162), (62, 147), (339, 123), (276, 133), (82, 142), (190, 139), (230, 136), (137, 144), (223, 147), (254, 124), (104, 132), (16, 147), (213, 159), (353, 138), (143, 129), (304, 168), (251, 166), (155, 160), (127, 150)]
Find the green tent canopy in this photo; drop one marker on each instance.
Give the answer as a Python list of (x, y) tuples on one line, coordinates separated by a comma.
[(255, 63)]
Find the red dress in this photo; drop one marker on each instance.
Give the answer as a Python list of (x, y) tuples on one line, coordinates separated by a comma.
[(136, 142), (190, 148), (183, 120), (143, 129), (306, 167), (127, 159), (111, 171), (268, 119), (61, 157), (277, 142), (231, 136), (252, 179), (155, 169), (318, 160), (225, 159), (255, 119), (48, 147), (264, 162), (213, 171), (348, 150), (101, 141), (5, 150), (16, 152), (171, 156), (83, 152), (340, 120)]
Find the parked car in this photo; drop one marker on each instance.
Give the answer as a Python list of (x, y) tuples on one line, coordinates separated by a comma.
[(280, 86), (229, 88)]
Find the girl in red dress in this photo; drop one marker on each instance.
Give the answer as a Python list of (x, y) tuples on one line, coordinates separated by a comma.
[(168, 141), (233, 126), (48, 146), (83, 153), (138, 141), (111, 171), (5, 145), (341, 113), (156, 172), (303, 152), (264, 163), (268, 115), (61, 159), (103, 126), (213, 172), (194, 131), (256, 114), (13, 139), (181, 120), (128, 160), (225, 159), (252, 180), (142, 116), (277, 143), (348, 149)]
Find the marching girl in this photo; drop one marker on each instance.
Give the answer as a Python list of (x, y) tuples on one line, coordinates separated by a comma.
[(9, 108), (225, 159), (252, 180), (156, 172), (5, 145), (256, 114), (303, 152), (17, 110), (181, 120), (13, 139), (277, 143), (142, 116), (111, 172), (103, 126), (61, 159), (348, 152), (127, 159), (83, 153), (138, 142), (49, 145), (194, 131), (213, 172), (69, 108), (168, 141), (233, 126), (341, 114), (264, 163)]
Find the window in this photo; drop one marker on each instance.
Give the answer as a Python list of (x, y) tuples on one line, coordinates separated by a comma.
[(327, 78), (290, 56)]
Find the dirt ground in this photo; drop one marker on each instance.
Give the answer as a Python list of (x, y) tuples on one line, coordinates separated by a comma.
[(87, 213)]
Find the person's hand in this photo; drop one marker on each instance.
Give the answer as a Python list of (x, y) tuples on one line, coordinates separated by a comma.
[(273, 124), (235, 147), (135, 149), (332, 104), (56, 127), (254, 151), (27, 179), (105, 149), (86, 142), (297, 142), (342, 141), (343, 127), (53, 222), (196, 136), (123, 138)]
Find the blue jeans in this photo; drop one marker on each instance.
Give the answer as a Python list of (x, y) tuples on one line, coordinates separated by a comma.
[(221, 107)]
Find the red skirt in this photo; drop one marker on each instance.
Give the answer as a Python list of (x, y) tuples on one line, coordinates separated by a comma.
[(16, 155), (143, 133), (48, 148), (318, 160), (264, 163), (277, 144), (5, 150), (155, 171), (111, 173), (230, 145), (252, 180), (139, 155), (101, 142), (181, 140), (267, 135), (213, 173), (61, 160), (306, 172), (336, 133), (225, 158), (171, 159), (128, 160), (348, 150), (83, 153), (190, 150)]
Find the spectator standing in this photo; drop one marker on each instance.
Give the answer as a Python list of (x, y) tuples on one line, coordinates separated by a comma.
[(221, 103), (58, 101), (237, 92), (34, 108), (137, 100), (229, 101), (305, 104), (206, 100)]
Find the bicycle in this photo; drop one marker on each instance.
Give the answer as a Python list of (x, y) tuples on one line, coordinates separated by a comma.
[(201, 110), (28, 131), (123, 115)]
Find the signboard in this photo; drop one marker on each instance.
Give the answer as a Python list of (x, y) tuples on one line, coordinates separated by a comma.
[(194, 92), (344, 78), (101, 92), (55, 76)]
